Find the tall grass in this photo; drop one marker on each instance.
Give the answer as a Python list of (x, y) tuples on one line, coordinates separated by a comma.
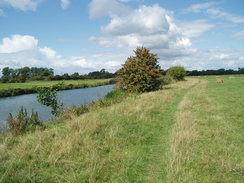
[(22, 122)]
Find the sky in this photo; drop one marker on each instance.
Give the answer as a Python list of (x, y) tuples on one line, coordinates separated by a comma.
[(89, 35)]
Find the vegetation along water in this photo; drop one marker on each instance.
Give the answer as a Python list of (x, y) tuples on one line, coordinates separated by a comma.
[(68, 98)]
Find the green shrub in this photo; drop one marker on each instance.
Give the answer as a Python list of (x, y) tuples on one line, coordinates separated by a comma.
[(22, 122), (177, 73), (140, 72), (48, 97), (165, 80)]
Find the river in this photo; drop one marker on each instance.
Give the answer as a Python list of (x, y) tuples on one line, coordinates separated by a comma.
[(76, 97)]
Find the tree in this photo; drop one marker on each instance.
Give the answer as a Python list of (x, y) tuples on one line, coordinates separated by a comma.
[(178, 73), (6, 71), (140, 72), (48, 97)]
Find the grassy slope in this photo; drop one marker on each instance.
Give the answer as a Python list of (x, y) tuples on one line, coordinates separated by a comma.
[(185, 133), (31, 84)]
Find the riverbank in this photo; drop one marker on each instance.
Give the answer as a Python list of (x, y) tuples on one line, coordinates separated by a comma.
[(186, 132), (15, 89)]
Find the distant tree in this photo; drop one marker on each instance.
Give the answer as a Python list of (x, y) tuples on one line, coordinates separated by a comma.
[(75, 75), (140, 72), (24, 71), (178, 73), (6, 72), (66, 76), (21, 78)]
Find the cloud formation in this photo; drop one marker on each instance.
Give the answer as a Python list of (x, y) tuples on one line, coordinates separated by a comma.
[(23, 5), (195, 28), (214, 12), (18, 43), (155, 28), (149, 26), (197, 8), (65, 3), (23, 50), (217, 13), (107, 7), (239, 35)]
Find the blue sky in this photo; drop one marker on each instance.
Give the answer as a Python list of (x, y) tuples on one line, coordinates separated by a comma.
[(88, 35)]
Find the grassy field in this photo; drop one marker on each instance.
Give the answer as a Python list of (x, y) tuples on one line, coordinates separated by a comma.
[(191, 131), (31, 84)]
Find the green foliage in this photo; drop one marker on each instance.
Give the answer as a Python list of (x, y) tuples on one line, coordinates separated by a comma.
[(21, 74), (177, 73), (165, 80), (22, 122), (48, 97), (140, 72)]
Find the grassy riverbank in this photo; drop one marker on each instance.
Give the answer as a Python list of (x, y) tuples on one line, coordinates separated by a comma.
[(13, 89), (190, 131)]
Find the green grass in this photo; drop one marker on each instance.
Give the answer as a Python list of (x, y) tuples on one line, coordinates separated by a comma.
[(190, 131), (31, 84)]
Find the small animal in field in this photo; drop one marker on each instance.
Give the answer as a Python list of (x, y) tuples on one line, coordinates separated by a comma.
[(217, 76), (231, 77), (219, 80)]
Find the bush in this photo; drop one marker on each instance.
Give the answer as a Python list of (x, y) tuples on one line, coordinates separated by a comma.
[(177, 73), (48, 97), (22, 122), (140, 72), (165, 80)]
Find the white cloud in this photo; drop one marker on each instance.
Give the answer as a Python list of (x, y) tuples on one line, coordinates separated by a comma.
[(144, 20), (196, 8), (107, 7), (208, 59), (222, 56), (195, 28), (214, 12), (149, 26), (217, 13), (23, 5), (23, 50), (155, 28), (65, 3), (49, 53), (17, 43), (239, 35)]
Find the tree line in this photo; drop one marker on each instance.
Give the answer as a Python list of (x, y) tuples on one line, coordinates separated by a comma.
[(20, 75), (215, 72)]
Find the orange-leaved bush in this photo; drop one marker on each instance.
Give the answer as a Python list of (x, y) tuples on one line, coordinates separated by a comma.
[(140, 72)]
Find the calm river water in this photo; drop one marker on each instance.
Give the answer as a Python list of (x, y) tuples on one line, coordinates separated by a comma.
[(68, 97)]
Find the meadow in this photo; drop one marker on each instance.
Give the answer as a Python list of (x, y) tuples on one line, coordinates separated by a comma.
[(189, 131)]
